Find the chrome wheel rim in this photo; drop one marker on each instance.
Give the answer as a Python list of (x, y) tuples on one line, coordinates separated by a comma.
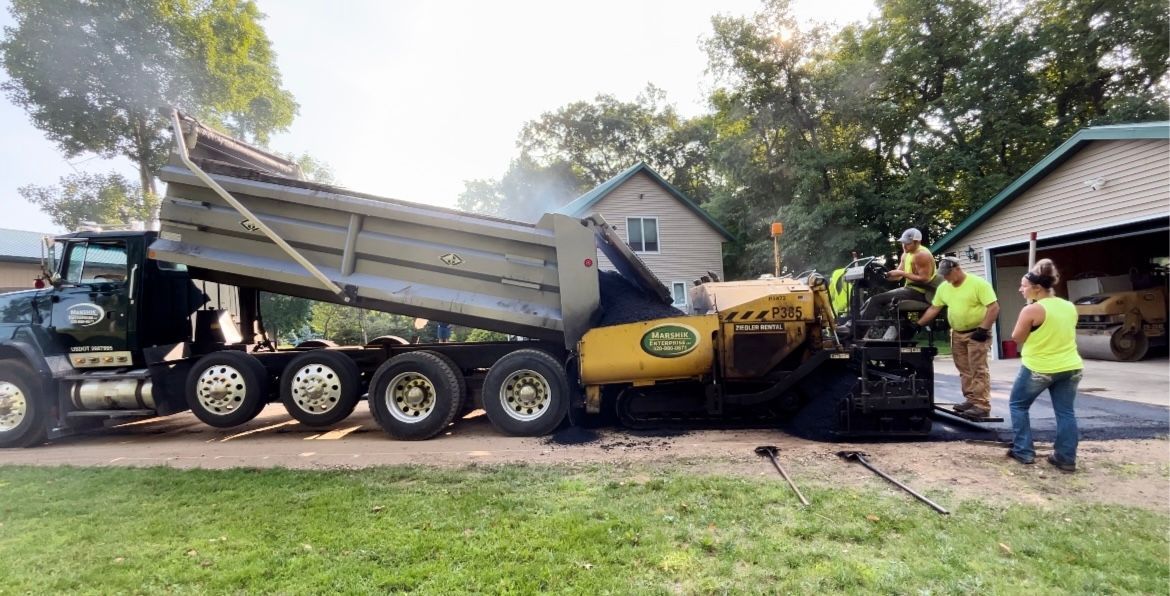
[(410, 397), (525, 395), (315, 388), (221, 390), (13, 406)]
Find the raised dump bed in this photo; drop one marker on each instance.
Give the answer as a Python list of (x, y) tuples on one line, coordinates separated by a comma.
[(538, 281)]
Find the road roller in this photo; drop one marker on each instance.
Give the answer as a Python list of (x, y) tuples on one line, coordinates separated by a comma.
[(1121, 326)]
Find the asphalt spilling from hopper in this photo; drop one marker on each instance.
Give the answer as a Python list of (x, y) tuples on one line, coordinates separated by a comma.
[(623, 302)]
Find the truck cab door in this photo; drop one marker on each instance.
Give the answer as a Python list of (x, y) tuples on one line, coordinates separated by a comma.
[(91, 310)]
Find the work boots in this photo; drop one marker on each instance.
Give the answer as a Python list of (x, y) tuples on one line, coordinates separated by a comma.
[(977, 412), (971, 410)]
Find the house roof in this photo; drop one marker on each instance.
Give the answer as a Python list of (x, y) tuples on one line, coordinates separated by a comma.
[(582, 205), (19, 245), (1116, 132)]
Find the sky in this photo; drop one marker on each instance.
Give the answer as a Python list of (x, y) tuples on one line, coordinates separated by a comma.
[(410, 98)]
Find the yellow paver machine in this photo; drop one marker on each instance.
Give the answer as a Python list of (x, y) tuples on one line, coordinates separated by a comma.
[(757, 349)]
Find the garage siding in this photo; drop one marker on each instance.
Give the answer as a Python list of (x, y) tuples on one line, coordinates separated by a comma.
[(688, 245), (18, 276), (1137, 187)]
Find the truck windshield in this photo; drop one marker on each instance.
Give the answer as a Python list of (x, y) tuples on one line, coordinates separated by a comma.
[(96, 262)]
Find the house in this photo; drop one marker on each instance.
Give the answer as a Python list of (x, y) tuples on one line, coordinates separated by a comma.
[(1099, 205), (676, 239), (20, 259)]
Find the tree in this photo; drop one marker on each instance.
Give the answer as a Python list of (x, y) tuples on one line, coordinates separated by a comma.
[(104, 199), (525, 193), (1101, 62), (94, 75), (285, 317), (566, 152), (601, 138), (477, 335), (350, 325), (312, 168), (768, 148), (916, 118)]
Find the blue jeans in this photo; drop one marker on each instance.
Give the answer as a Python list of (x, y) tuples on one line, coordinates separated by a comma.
[(1062, 388)]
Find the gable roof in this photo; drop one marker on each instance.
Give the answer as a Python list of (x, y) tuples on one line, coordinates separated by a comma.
[(582, 204), (1116, 132), (19, 245)]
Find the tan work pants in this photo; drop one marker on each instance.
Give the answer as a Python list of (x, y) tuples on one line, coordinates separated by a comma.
[(971, 360)]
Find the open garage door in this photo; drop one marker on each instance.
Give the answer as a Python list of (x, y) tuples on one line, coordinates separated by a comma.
[(1106, 259)]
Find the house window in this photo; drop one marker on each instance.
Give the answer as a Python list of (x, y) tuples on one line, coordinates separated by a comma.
[(678, 289), (643, 233)]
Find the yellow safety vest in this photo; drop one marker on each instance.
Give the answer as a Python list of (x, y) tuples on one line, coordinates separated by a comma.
[(1053, 347), (908, 267), (839, 291)]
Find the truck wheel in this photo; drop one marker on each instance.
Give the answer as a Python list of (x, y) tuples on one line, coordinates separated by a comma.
[(414, 396), (226, 389), (22, 409), (320, 388), (526, 393)]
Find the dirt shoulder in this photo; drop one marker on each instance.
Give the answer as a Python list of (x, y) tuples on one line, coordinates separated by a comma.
[(1124, 472)]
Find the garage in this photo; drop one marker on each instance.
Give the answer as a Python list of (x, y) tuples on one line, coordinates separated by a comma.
[(1099, 207)]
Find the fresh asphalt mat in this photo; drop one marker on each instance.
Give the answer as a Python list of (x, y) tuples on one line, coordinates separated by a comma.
[(1098, 418)]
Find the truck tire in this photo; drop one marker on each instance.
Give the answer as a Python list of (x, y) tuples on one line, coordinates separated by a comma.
[(226, 389), (320, 388), (22, 407), (526, 393), (414, 396)]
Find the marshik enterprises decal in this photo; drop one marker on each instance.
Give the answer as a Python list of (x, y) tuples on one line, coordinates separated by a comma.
[(670, 340)]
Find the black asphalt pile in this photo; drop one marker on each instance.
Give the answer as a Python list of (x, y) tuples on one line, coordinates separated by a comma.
[(642, 445), (623, 302), (818, 419), (572, 435), (636, 440)]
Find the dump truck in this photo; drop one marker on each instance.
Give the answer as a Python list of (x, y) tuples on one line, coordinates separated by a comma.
[(124, 331)]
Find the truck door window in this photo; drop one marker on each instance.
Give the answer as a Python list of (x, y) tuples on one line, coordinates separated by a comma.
[(96, 262)]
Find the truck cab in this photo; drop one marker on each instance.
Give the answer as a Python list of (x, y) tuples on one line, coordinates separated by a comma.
[(77, 352)]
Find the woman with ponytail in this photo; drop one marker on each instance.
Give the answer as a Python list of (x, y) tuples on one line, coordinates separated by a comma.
[(1047, 332)]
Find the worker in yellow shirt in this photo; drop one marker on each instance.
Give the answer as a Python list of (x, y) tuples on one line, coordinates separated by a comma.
[(972, 308), (839, 292), (1047, 330), (916, 271)]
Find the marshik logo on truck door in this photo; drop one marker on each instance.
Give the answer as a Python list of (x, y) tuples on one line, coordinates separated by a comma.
[(84, 315), (670, 341)]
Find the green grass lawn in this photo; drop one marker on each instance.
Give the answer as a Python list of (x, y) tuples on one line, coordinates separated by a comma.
[(525, 529)]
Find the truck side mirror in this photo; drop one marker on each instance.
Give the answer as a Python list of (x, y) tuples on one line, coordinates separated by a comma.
[(49, 261)]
